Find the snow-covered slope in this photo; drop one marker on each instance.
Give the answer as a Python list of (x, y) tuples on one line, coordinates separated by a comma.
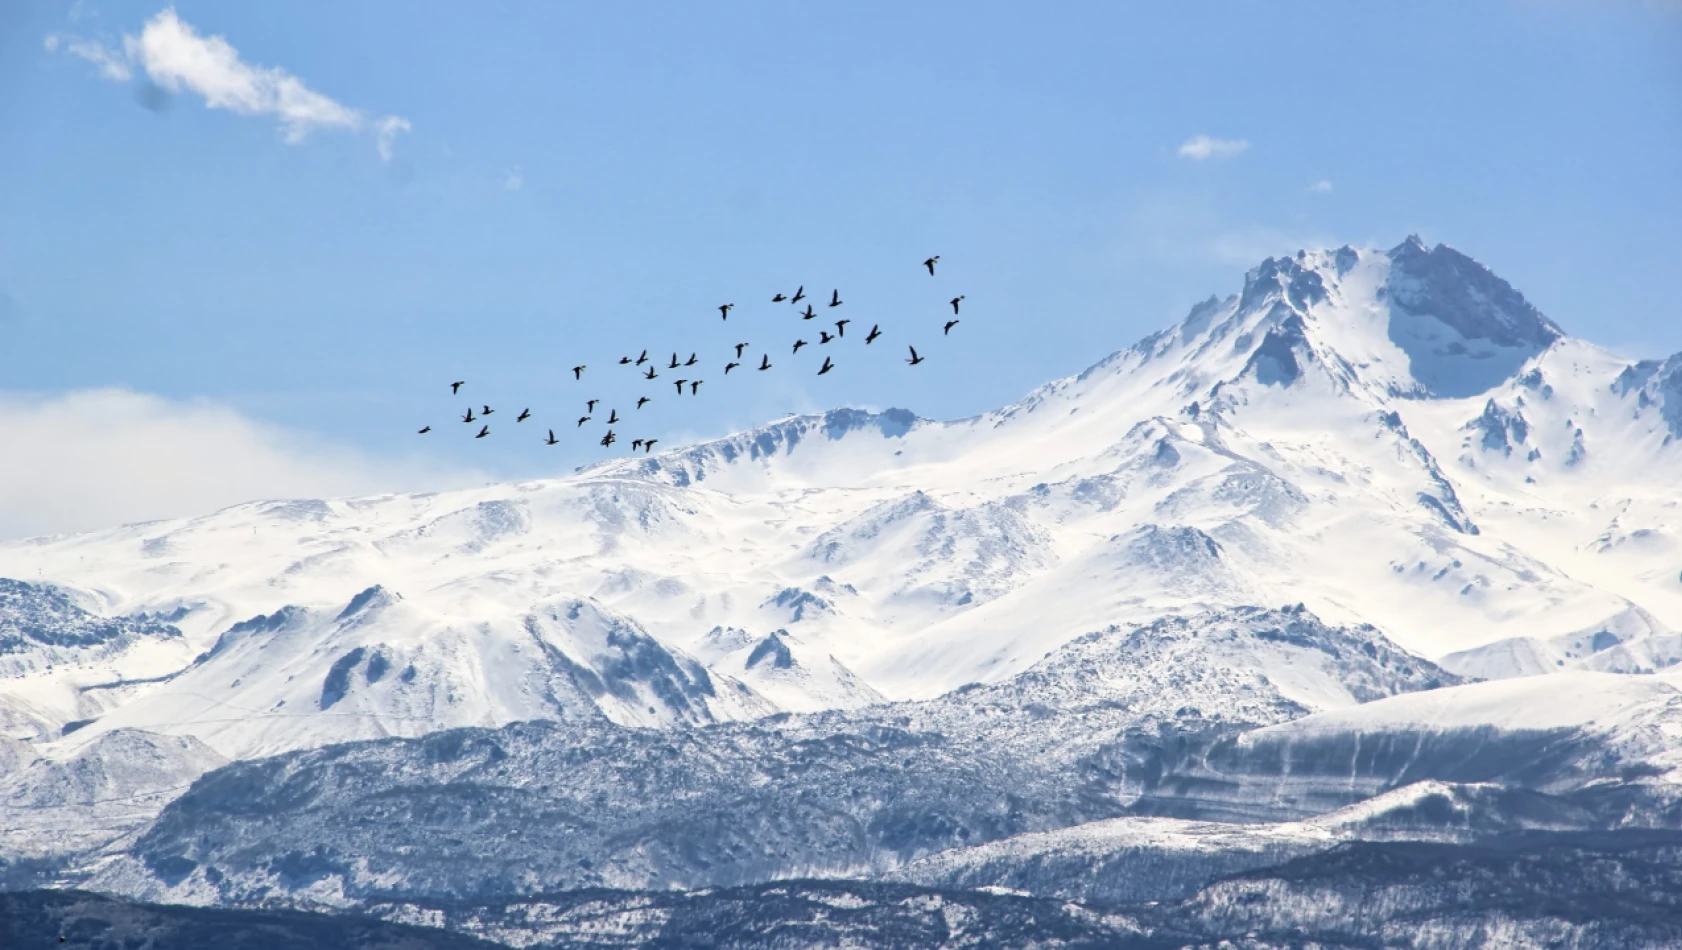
[(786, 670), (1154, 858), (46, 632), (379, 666), (1110, 771), (51, 810), (1081, 736), (1390, 437)]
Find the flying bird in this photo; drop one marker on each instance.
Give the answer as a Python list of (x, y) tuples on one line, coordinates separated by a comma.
[(730, 366), (483, 432), (809, 314), (828, 365), (551, 440), (578, 371), (470, 416), (582, 420), (799, 295), (649, 374), (955, 304), (679, 385), (824, 337), (778, 298), (739, 348), (523, 416), (798, 344), (613, 417), (724, 310), (841, 327), (930, 264), (608, 439), (764, 362), (648, 445), (590, 405), (695, 387), (624, 360), (948, 330), (690, 361), (424, 431), (455, 387), (674, 362), (915, 359), (636, 444), (875, 331), (641, 400), (486, 411), (643, 358), (835, 298)]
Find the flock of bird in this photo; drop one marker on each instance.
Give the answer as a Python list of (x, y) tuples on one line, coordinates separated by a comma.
[(694, 385)]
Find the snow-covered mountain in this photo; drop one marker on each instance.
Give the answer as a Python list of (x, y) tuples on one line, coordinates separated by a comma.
[(1018, 677), (1361, 776), (1086, 734), (50, 809), (1394, 438)]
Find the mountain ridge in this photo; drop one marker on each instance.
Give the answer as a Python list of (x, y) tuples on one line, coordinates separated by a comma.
[(1314, 437), (972, 671)]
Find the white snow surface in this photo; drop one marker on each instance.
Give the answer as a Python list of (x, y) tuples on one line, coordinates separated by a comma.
[(105, 790), (1388, 437), (1149, 857)]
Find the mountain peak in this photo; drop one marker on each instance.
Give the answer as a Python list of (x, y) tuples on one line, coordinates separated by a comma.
[(1466, 295), (1410, 322), (1286, 279), (1464, 329), (1412, 244)]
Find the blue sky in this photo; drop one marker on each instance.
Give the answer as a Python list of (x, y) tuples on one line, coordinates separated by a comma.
[(570, 182)]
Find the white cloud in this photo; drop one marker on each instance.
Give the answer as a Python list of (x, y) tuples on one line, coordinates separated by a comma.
[(388, 128), (112, 64), (99, 458), (1179, 229), (178, 58), (1201, 147), (1321, 187), (514, 181), (1247, 247)]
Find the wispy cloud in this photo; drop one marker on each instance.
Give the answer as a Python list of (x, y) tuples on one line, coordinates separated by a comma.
[(1247, 247), (514, 181), (1202, 147), (1321, 187), (388, 128), (112, 64), (178, 58), (104, 457), (1187, 230)]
